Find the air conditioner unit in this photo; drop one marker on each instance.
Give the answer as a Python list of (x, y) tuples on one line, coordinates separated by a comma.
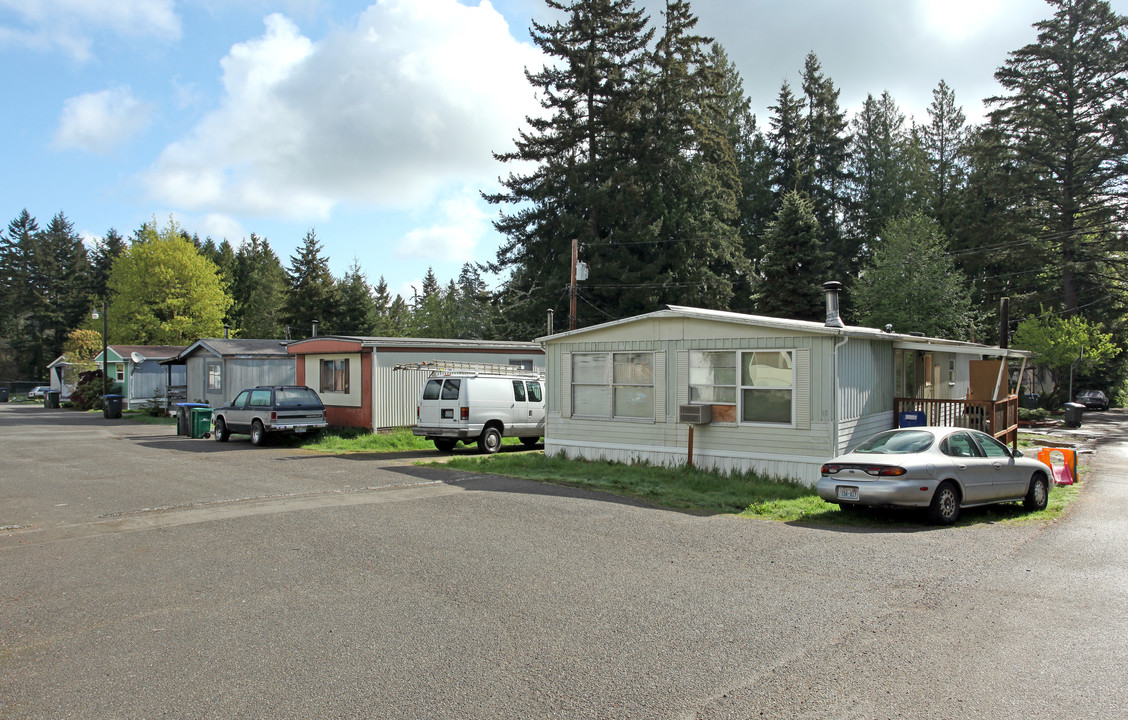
[(695, 414)]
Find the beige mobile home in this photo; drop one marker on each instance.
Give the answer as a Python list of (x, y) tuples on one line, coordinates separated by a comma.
[(757, 393)]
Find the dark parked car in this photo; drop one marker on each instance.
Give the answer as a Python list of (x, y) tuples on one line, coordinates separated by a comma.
[(942, 469), (270, 410), (1093, 399)]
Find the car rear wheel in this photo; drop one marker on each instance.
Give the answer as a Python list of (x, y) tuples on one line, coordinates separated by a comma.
[(945, 507), (1038, 496), (445, 444), (258, 433), (221, 432), (490, 440)]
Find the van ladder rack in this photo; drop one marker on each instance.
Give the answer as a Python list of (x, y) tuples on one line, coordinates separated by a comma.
[(476, 368)]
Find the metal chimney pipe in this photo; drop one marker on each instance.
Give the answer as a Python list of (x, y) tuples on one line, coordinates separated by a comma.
[(833, 319), (226, 331), (314, 329)]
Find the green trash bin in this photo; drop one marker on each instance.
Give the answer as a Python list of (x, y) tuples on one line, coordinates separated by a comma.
[(51, 399), (201, 422)]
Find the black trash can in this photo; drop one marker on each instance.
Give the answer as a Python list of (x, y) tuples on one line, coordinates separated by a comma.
[(4, 393), (111, 407), (1073, 414), (51, 399), (1030, 401)]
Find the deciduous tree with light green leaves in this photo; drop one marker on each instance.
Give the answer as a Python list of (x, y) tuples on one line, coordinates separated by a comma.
[(164, 292), (913, 284), (1062, 343)]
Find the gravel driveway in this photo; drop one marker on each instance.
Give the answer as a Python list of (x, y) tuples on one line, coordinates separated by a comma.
[(146, 575)]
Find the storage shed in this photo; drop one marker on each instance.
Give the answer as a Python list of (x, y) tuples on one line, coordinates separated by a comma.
[(355, 379), (755, 393), (215, 370)]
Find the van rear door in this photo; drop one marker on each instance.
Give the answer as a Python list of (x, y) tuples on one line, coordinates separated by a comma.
[(439, 405)]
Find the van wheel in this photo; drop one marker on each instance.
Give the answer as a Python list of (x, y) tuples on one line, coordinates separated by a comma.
[(530, 442), (489, 441), (444, 444)]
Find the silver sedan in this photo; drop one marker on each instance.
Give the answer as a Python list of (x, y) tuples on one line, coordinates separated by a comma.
[(943, 469)]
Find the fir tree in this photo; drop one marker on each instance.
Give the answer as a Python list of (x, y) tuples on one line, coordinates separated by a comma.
[(259, 288), (357, 312), (795, 265), (312, 292), (1064, 116), (944, 137)]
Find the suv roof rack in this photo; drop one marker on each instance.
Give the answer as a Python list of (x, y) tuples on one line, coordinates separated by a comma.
[(450, 367)]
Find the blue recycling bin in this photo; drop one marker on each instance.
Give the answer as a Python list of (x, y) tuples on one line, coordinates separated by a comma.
[(914, 418)]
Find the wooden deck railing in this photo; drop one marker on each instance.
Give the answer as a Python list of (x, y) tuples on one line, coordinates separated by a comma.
[(998, 419)]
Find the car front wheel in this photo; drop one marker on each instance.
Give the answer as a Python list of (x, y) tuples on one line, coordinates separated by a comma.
[(258, 433), (1038, 496), (221, 432), (945, 507)]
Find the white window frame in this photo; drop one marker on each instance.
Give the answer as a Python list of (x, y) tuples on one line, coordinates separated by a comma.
[(609, 386), (218, 367), (791, 388)]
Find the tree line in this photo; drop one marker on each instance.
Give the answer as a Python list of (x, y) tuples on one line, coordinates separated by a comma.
[(648, 155), (162, 286)]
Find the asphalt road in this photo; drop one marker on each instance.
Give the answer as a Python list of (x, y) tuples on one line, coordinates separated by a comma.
[(145, 575)]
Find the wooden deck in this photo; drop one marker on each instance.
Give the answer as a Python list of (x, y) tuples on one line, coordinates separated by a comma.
[(998, 419)]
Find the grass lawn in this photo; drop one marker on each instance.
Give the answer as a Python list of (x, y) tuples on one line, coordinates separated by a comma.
[(343, 440), (744, 494)]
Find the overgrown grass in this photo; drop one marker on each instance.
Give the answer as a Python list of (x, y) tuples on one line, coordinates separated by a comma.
[(682, 488), (743, 494), (143, 416), (345, 440)]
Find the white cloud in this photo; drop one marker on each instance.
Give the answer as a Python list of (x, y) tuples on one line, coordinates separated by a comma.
[(70, 24), (453, 237), (99, 122), (385, 113)]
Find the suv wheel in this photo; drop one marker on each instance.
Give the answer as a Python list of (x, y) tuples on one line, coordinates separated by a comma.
[(258, 433), (221, 433)]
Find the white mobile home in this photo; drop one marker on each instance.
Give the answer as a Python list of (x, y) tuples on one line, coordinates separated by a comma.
[(756, 393)]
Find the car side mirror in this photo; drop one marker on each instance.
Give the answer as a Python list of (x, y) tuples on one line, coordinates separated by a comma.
[(1016, 453)]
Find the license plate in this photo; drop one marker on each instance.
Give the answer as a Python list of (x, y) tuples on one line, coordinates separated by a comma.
[(300, 429), (847, 493)]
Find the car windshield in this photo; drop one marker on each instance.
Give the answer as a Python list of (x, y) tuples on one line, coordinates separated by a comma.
[(296, 397), (897, 443)]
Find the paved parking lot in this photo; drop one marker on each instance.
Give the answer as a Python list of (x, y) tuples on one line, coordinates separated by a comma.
[(148, 575)]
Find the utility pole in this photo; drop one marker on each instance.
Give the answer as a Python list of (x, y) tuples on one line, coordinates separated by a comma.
[(572, 287)]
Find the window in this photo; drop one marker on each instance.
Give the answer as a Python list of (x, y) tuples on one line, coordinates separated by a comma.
[(241, 400), (451, 388), (712, 378), (335, 376), (534, 391), (431, 389), (992, 448), (215, 377), (523, 364), (767, 381), (518, 391), (959, 445), (260, 398), (119, 372), (904, 369), (619, 385)]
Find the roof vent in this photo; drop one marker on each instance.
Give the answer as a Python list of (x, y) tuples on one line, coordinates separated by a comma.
[(833, 319)]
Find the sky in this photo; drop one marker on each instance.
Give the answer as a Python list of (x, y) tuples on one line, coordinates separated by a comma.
[(374, 123)]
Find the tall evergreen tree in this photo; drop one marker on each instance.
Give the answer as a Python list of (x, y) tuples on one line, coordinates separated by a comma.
[(689, 183), (795, 263), (312, 293), (356, 314), (1064, 115), (19, 249), (258, 288), (57, 278), (788, 140), (823, 162), (877, 167), (944, 137), (106, 250), (582, 153)]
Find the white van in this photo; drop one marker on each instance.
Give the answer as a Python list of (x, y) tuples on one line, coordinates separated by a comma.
[(483, 407)]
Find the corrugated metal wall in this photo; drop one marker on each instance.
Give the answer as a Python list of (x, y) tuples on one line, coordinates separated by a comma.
[(396, 393)]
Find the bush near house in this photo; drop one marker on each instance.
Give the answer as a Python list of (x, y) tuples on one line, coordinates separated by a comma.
[(87, 393)]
